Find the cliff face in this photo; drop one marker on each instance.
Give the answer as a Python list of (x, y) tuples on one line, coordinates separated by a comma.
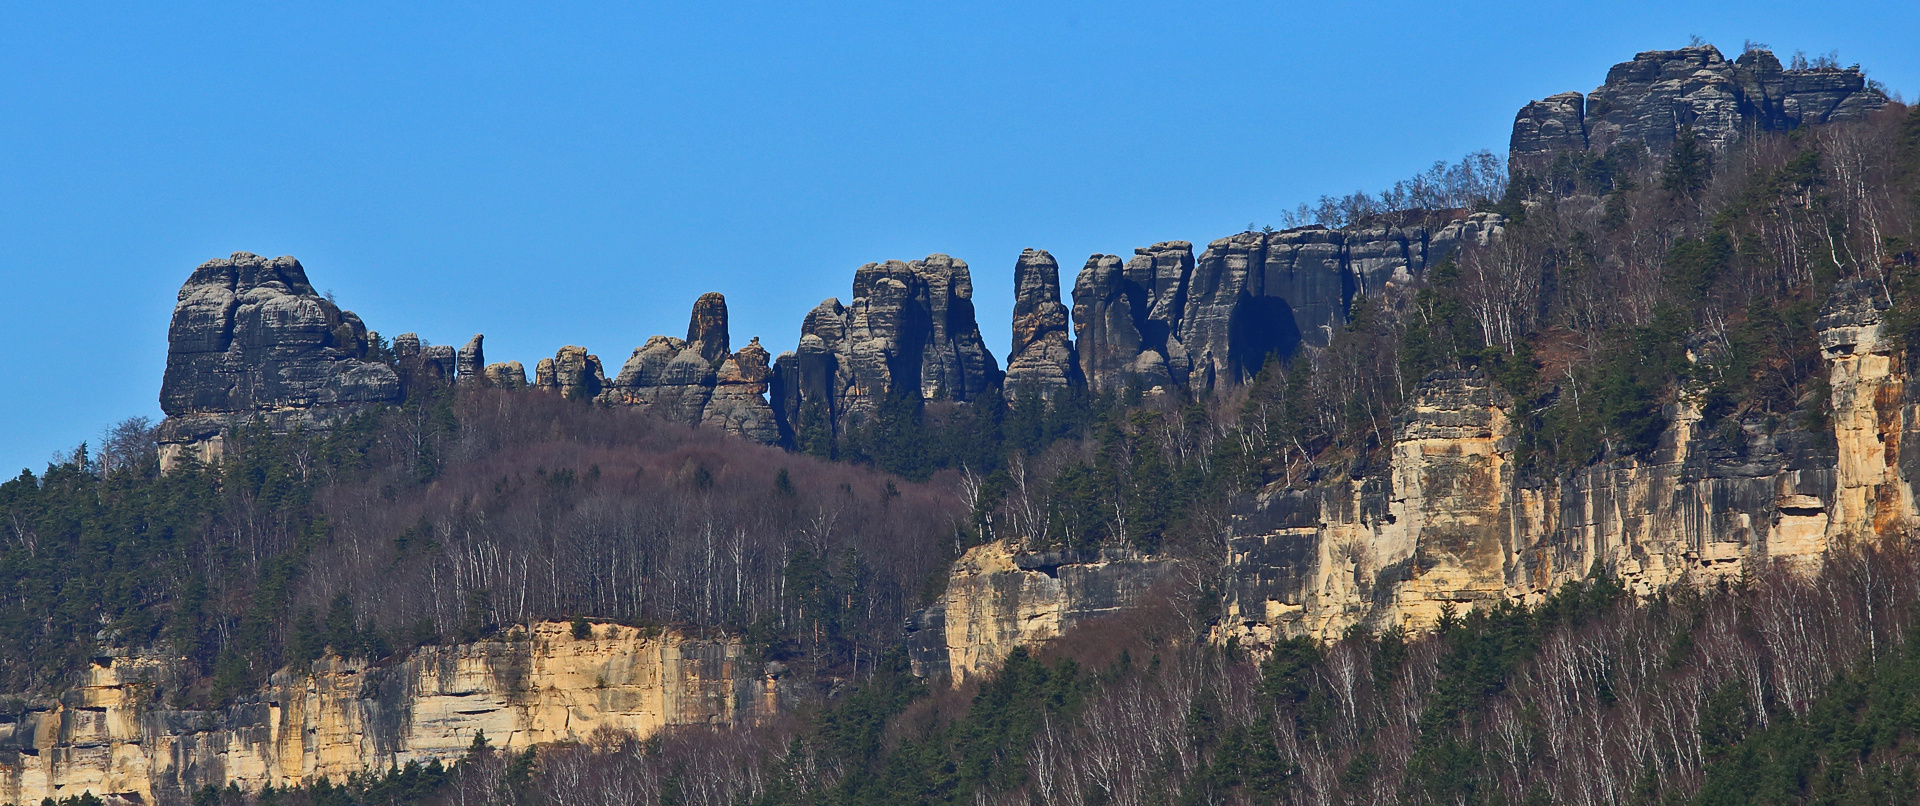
[(998, 599), (910, 331), (1452, 523), (251, 338), (1644, 102), (1166, 319), (114, 735)]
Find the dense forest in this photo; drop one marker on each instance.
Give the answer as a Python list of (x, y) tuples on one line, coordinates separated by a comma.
[(1624, 281)]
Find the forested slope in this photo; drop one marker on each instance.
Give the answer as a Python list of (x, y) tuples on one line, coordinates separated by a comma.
[(1632, 294)]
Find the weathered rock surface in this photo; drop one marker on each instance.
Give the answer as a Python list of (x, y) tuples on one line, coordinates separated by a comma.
[(1126, 318), (1644, 102), (699, 381), (571, 372), (422, 366), (1167, 320), (910, 330), (506, 375), (1041, 360), (1451, 523), (472, 362), (998, 599), (113, 735), (251, 339)]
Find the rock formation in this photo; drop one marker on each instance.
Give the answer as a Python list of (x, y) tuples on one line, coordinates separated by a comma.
[(571, 372), (1450, 522), (1166, 320), (1042, 359), (251, 339), (115, 737), (1644, 102), (422, 367), (699, 380), (506, 375), (472, 362), (1126, 318), (910, 330), (998, 599)]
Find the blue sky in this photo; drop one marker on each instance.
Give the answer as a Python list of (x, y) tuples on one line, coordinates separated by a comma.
[(574, 174)]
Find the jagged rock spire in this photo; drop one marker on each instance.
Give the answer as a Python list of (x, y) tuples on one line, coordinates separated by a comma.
[(1042, 359)]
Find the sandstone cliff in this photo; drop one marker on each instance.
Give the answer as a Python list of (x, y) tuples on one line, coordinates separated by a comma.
[(1042, 359), (251, 338), (1451, 522), (910, 331), (998, 599), (1166, 320), (699, 380), (114, 735), (1644, 102)]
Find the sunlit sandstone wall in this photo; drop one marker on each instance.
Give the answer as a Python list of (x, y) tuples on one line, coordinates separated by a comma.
[(1452, 521), (115, 736)]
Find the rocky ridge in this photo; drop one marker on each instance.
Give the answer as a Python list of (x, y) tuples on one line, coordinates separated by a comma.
[(1645, 102)]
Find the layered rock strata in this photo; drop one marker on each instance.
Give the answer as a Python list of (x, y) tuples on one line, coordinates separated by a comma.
[(472, 362), (909, 332), (1451, 523), (572, 373), (1166, 320), (699, 380), (1042, 360), (251, 339), (998, 599), (114, 735), (1646, 101)]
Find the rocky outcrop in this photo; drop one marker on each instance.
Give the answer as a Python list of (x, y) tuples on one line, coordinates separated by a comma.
[(1871, 414), (910, 331), (251, 339), (1041, 360), (1169, 321), (571, 372), (472, 362), (998, 599), (506, 375), (1126, 318), (115, 736), (1646, 101), (422, 366), (1450, 523), (699, 381)]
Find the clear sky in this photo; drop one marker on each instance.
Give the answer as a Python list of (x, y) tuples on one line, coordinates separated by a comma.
[(555, 174)]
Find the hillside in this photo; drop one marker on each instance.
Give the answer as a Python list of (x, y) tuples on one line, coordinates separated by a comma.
[(1578, 476)]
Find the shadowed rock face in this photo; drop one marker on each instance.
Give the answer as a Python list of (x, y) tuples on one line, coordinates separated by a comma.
[(909, 330), (1042, 359), (1644, 102), (251, 338), (699, 381), (1126, 317), (1167, 320)]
